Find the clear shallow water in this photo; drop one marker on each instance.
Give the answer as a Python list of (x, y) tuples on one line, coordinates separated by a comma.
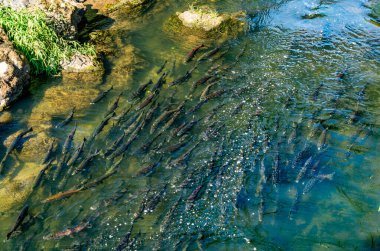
[(282, 95)]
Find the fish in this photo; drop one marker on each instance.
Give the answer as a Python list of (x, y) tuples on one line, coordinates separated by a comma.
[(114, 105), (162, 67), (85, 162), (192, 53), (141, 89), (294, 208), (133, 126), (193, 197), (316, 179), (115, 144), (275, 169), (208, 54), (303, 169), (238, 109), (263, 178), (176, 114), (206, 91), (12, 146), (149, 169), (147, 100), (182, 79), (61, 195), (68, 141), (202, 81), (105, 176), (161, 119), (125, 242), (260, 211), (124, 147), (317, 92), (322, 139), (77, 153), (101, 126), (101, 95), (187, 127), (181, 159), (40, 175), (315, 168), (305, 152), (215, 94), (172, 72), (159, 83), (168, 216), (149, 143), (153, 201), (66, 120), (173, 148), (340, 75), (197, 106), (150, 112), (20, 219), (48, 153), (69, 231)]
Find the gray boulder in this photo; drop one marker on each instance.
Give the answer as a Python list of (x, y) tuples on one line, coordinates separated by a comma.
[(14, 72)]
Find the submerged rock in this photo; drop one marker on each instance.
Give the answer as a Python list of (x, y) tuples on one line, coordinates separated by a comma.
[(5, 118), (81, 63), (205, 22), (14, 72)]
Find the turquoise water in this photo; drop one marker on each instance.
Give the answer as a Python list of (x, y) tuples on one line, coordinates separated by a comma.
[(286, 158)]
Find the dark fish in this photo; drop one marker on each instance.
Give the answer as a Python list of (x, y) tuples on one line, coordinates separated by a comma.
[(161, 119), (315, 169), (172, 72), (187, 128), (147, 100), (12, 146), (101, 95), (68, 141), (100, 127), (69, 231), (133, 126), (304, 153), (174, 117), (159, 83), (67, 119), (193, 197), (322, 139), (153, 201), (169, 215), (173, 148), (202, 81), (121, 117), (141, 89), (85, 162), (41, 174), (192, 53), (238, 108), (149, 143), (48, 153), (182, 159), (124, 147), (209, 54), (197, 107), (77, 153), (182, 79), (126, 241), (146, 171), (102, 178), (114, 105), (340, 75), (215, 94), (150, 112), (21, 217), (317, 91), (162, 67), (115, 144)]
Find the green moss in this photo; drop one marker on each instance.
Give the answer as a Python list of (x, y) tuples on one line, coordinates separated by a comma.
[(32, 35), (131, 7)]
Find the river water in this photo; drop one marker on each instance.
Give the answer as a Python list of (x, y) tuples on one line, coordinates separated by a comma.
[(284, 158)]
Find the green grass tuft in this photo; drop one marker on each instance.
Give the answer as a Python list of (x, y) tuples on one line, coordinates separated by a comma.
[(32, 35)]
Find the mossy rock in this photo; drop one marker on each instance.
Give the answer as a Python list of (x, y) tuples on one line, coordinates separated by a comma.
[(229, 26), (131, 7)]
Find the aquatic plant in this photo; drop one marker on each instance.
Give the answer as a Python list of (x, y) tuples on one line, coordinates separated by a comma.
[(32, 34)]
